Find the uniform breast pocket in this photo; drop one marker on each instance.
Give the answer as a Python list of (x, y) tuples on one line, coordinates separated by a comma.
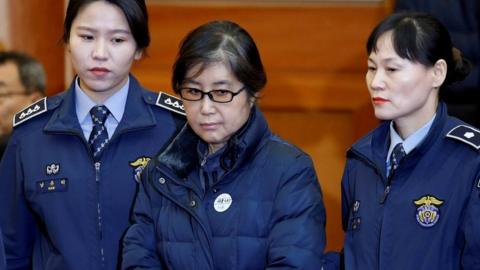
[(51, 185)]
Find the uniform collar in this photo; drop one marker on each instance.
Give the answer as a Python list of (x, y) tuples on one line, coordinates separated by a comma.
[(375, 146), (411, 141), (115, 103), (137, 113)]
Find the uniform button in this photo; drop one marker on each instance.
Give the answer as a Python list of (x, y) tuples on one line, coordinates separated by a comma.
[(161, 180), (193, 203), (215, 190)]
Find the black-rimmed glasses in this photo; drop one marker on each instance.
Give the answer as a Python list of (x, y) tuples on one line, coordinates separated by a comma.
[(215, 95), (9, 94)]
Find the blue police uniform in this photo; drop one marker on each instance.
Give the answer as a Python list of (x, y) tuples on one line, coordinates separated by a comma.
[(58, 208), (256, 204), (429, 219)]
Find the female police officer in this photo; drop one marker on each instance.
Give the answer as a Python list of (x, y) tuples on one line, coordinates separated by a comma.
[(411, 191), (67, 177), (226, 193)]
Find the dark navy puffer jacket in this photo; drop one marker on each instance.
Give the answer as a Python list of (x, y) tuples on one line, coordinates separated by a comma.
[(266, 212)]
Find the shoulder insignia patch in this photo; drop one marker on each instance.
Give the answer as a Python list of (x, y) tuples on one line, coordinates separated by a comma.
[(31, 111), (170, 102), (466, 134)]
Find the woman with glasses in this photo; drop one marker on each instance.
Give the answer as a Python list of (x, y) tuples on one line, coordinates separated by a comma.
[(226, 193)]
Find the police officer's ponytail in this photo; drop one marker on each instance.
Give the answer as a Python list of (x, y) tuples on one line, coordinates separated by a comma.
[(459, 69)]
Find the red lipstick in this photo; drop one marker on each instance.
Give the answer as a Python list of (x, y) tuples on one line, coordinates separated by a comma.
[(379, 100)]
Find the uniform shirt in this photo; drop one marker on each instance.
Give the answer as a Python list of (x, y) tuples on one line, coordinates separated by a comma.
[(410, 142), (115, 104)]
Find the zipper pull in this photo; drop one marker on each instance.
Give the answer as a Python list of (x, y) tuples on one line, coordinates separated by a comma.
[(204, 160), (385, 194), (97, 171)]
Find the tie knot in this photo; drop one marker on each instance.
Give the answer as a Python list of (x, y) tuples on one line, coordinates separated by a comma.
[(99, 114), (397, 156)]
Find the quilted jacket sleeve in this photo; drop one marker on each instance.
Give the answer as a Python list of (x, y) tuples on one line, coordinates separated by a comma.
[(297, 239), (139, 251)]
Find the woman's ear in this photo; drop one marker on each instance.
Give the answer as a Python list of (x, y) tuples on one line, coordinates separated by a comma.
[(253, 99), (439, 73), (138, 54)]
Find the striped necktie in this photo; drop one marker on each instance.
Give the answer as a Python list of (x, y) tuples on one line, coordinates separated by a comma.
[(99, 135)]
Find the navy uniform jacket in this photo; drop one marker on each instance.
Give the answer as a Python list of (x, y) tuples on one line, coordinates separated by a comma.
[(266, 212), (2, 252), (59, 209), (431, 217)]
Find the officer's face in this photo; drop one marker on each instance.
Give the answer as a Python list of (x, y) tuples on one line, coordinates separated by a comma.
[(102, 49), (13, 96), (401, 90), (216, 122)]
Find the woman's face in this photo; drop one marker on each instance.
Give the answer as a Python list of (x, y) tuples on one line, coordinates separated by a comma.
[(401, 90), (102, 49), (216, 122)]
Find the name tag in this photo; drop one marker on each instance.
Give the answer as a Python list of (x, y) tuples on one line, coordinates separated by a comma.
[(52, 185)]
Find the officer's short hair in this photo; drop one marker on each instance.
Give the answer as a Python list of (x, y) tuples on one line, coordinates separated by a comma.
[(31, 72)]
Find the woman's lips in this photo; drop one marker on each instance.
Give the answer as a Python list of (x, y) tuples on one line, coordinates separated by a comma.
[(209, 126), (97, 71), (379, 100)]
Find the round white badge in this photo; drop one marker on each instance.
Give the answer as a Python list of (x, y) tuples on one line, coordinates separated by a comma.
[(222, 202)]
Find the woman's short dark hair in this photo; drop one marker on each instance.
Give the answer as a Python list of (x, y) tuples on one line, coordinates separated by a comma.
[(221, 41), (420, 37), (135, 12)]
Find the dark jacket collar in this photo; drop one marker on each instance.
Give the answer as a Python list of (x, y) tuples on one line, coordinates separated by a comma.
[(181, 157), (374, 146), (137, 112)]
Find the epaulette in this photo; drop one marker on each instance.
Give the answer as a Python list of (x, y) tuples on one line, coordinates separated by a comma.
[(32, 110), (170, 102), (466, 134)]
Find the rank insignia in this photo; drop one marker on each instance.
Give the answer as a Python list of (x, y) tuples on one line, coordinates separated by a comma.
[(170, 103), (428, 213), (31, 111), (52, 169), (138, 165), (466, 134)]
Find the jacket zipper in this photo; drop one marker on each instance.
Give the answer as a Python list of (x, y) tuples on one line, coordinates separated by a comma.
[(361, 157), (204, 229), (99, 212), (97, 166)]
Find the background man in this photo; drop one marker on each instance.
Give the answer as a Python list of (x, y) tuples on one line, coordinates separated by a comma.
[(22, 82)]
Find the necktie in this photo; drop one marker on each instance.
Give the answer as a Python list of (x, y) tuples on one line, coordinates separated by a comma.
[(99, 136), (396, 157), (398, 154)]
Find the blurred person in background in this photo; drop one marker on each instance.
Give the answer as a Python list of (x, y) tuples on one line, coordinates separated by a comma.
[(22, 81)]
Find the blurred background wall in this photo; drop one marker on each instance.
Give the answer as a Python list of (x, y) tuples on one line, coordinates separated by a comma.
[(313, 52)]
